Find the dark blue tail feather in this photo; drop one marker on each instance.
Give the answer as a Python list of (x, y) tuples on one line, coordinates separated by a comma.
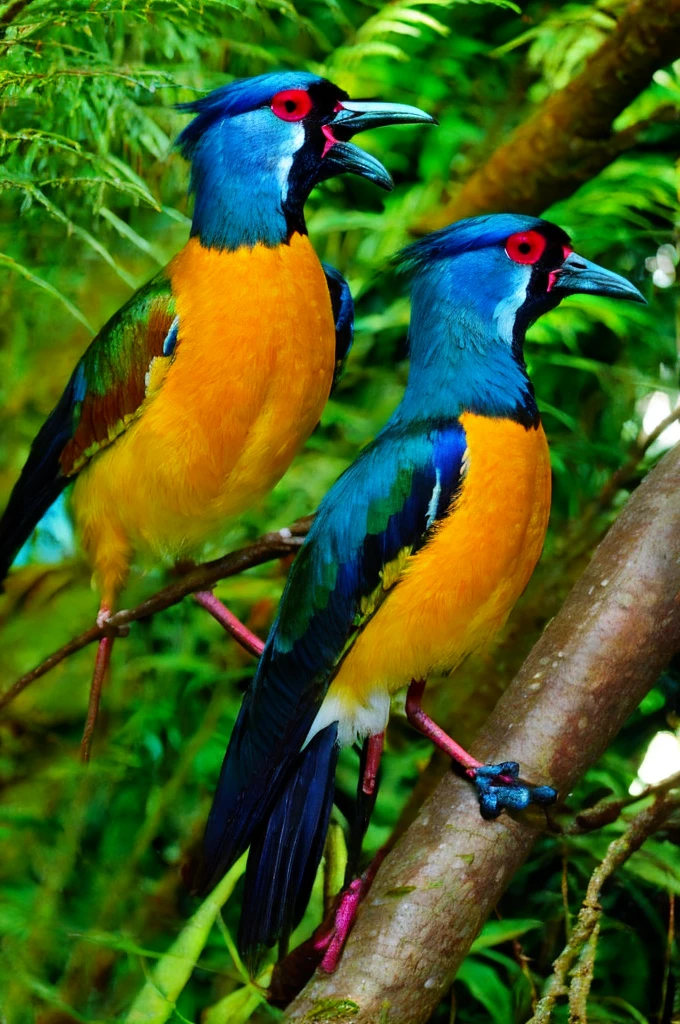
[(286, 849), (40, 484), (256, 766)]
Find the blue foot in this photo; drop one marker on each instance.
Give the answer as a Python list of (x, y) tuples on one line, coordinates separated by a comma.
[(499, 788)]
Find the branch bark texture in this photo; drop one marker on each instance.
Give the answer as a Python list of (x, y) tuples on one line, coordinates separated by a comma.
[(569, 139), (617, 630)]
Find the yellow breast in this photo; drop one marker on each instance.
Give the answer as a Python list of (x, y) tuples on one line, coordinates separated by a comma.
[(459, 589), (252, 372)]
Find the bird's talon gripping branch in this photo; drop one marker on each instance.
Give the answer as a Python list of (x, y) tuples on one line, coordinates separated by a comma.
[(499, 788), (103, 616), (498, 785)]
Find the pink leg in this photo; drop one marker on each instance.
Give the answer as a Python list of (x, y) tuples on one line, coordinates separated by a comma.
[(331, 941), (498, 785), (324, 948), (423, 723), (241, 634), (374, 751), (101, 665)]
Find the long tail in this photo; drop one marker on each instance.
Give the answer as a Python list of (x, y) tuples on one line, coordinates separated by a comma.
[(28, 503), (40, 484), (286, 849)]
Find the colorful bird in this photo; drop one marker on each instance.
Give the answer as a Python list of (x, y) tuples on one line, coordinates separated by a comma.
[(414, 560), (191, 402)]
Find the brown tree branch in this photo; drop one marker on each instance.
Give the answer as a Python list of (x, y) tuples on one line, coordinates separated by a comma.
[(569, 139), (592, 666), (271, 545)]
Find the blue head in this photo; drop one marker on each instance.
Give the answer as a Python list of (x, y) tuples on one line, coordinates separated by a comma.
[(259, 146), (476, 288)]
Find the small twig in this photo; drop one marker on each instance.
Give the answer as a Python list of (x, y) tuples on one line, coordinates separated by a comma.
[(608, 810), (627, 471), (582, 978), (524, 962), (565, 896), (268, 547), (645, 824)]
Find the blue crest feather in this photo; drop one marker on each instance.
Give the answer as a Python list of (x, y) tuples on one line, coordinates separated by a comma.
[(238, 97), (465, 236)]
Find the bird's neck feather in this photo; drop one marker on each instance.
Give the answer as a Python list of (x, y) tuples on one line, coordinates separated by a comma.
[(243, 203), (465, 361)]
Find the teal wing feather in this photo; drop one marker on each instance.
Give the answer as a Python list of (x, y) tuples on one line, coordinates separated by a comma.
[(382, 508), (104, 394)]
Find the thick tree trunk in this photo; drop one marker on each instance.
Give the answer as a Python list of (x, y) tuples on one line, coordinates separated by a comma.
[(569, 139), (597, 658)]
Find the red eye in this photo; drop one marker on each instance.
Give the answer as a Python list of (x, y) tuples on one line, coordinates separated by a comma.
[(525, 246), (291, 104)]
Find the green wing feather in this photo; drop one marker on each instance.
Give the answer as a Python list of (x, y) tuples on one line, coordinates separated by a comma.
[(106, 391), (113, 377)]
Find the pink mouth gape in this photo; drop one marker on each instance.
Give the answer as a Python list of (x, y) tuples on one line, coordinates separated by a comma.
[(554, 274), (330, 138), (328, 131)]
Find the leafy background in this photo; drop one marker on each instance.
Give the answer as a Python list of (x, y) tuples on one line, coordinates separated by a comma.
[(93, 200)]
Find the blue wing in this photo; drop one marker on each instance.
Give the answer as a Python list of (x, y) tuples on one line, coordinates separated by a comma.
[(343, 314), (386, 502)]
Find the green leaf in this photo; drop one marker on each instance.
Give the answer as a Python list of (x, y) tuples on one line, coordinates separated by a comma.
[(495, 932), (484, 985), (236, 1008), (46, 286), (401, 890), (156, 1001)]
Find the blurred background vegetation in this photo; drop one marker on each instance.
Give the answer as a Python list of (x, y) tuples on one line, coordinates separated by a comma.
[(93, 201)]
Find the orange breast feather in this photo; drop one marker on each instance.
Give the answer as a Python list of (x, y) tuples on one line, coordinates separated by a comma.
[(251, 374), (459, 589)]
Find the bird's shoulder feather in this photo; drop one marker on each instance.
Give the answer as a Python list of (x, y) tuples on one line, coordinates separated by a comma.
[(125, 363)]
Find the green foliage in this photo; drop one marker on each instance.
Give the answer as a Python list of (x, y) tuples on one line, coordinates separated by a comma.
[(92, 906)]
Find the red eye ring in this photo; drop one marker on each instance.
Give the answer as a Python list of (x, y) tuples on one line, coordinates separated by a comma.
[(526, 246), (291, 104)]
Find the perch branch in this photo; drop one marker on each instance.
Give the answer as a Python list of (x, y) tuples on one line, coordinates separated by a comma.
[(593, 664), (569, 138), (269, 546), (583, 940)]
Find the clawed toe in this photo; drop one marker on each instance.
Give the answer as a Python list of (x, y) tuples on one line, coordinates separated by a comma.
[(103, 616), (104, 622), (499, 788)]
